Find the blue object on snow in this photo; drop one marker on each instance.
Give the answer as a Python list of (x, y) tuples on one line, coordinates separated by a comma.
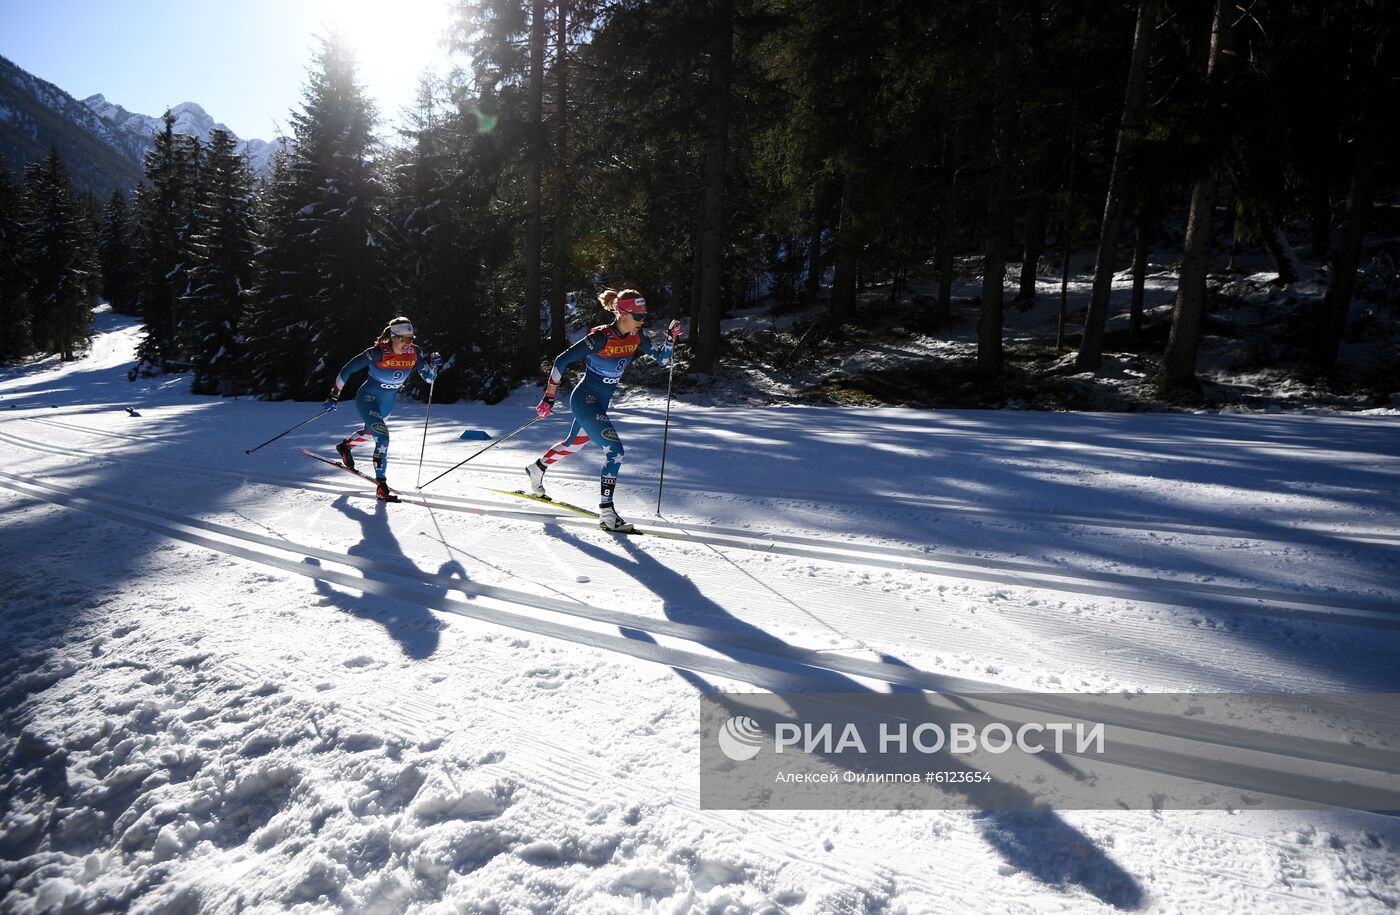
[(475, 435)]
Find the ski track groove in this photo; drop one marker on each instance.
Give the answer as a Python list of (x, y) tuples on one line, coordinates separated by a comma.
[(734, 667), (1017, 898), (1259, 670), (1138, 635), (1294, 533), (780, 851), (1350, 609)]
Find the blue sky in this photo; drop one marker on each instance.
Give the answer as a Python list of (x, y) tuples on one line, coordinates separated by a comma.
[(244, 61)]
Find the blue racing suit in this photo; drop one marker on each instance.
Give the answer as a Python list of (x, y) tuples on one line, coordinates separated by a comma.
[(376, 398), (606, 355)]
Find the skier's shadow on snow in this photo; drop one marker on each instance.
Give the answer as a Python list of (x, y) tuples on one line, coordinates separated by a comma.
[(410, 623), (1038, 842)]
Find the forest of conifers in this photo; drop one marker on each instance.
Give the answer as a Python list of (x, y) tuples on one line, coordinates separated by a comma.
[(714, 152)]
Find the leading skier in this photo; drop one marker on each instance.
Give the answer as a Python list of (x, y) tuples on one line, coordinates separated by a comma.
[(607, 350), (392, 358)]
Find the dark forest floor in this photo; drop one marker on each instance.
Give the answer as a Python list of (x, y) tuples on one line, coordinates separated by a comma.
[(1252, 356)]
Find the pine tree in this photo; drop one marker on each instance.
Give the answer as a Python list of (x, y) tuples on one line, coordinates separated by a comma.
[(277, 323), (16, 339), (59, 259), (494, 138), (534, 191), (221, 256), (452, 246), (117, 256), (165, 214), (322, 278)]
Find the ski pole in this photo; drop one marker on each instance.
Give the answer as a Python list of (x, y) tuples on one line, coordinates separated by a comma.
[(422, 450), (482, 451), (293, 429), (665, 433)]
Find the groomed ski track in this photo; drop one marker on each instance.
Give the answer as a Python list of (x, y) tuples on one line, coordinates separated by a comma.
[(757, 662), (1257, 599), (519, 640)]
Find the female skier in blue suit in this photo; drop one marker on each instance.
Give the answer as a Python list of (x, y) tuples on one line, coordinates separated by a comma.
[(390, 361), (607, 350)]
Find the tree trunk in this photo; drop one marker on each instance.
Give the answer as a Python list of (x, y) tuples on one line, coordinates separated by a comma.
[(1090, 356), (814, 251), (530, 348), (848, 244), (1179, 361), (998, 240), (947, 224), (716, 154), (1035, 237), (697, 278), (1322, 215), (1035, 192), (1331, 318), (557, 338), (1140, 248)]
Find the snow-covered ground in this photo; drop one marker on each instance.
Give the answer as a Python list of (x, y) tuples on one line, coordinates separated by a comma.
[(235, 681)]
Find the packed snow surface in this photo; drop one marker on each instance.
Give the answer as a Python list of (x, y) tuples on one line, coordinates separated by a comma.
[(235, 681)]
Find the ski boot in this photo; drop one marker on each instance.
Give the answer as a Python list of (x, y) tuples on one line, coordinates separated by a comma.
[(382, 492), (610, 520), (343, 449), (536, 474)]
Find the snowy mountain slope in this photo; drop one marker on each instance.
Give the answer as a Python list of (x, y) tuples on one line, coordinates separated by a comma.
[(236, 680), (102, 144), (133, 131), (36, 116)]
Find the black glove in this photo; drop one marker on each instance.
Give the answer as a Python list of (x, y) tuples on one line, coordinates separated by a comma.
[(331, 401)]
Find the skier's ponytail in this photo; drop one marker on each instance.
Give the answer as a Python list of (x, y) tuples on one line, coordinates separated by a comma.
[(609, 298)]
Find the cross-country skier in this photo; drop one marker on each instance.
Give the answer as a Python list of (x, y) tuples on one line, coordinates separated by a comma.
[(390, 361), (607, 350)]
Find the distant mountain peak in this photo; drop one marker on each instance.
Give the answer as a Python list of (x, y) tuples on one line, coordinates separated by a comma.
[(135, 130), (103, 143)]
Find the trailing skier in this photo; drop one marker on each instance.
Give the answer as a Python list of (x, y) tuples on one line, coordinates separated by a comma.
[(390, 361), (606, 351)]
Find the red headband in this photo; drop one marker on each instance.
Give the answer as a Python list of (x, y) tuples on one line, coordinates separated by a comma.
[(632, 305)]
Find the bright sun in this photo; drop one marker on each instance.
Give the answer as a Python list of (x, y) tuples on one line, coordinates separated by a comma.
[(393, 42)]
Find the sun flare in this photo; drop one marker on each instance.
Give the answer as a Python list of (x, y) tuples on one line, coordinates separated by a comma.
[(393, 43)]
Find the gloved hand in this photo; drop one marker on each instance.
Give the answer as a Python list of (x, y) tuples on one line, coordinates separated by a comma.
[(435, 360), (331, 401), (675, 330), (545, 407)]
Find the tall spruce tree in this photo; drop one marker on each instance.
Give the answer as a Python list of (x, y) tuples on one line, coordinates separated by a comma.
[(164, 214), (59, 259), (221, 249), (451, 243), (497, 136), (322, 278), (16, 339), (277, 323), (117, 256)]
